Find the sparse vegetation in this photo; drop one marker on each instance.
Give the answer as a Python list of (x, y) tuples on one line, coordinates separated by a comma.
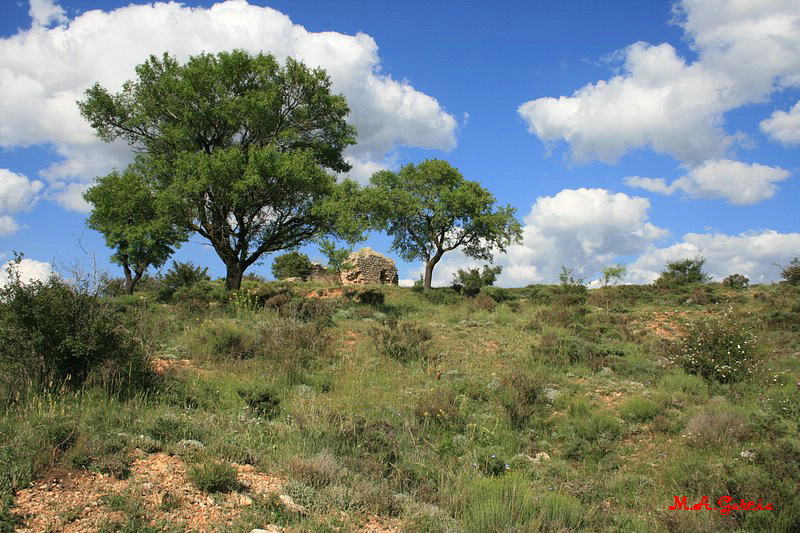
[(435, 412)]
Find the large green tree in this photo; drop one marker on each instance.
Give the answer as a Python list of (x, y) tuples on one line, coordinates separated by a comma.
[(430, 209), (128, 214), (244, 149)]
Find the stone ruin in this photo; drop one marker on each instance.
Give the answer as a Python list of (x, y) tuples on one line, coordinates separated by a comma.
[(369, 268)]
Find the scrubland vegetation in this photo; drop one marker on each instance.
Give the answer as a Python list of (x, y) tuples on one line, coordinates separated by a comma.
[(545, 408)]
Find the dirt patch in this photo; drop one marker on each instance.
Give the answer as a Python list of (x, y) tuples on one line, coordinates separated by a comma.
[(664, 324), (162, 366), (325, 294), (78, 501)]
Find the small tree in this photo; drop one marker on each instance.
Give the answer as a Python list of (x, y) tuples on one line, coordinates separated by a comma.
[(613, 272), (736, 281), (337, 257), (791, 272), (244, 148), (684, 272), (472, 280), (127, 213), (430, 209), (291, 265)]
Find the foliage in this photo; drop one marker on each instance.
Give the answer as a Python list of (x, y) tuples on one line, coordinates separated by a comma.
[(125, 209), (213, 476), (181, 275), (241, 149), (430, 209), (54, 335), (719, 349), (573, 291), (736, 281), (291, 265), (471, 281), (791, 272), (613, 272), (401, 340), (336, 257), (683, 272), (639, 409)]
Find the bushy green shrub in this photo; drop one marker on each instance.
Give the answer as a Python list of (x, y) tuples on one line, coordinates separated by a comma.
[(639, 409), (470, 281), (718, 349), (683, 272), (291, 265), (371, 297), (736, 281), (262, 400), (53, 334), (213, 476), (791, 272), (181, 275), (521, 391), (401, 340), (497, 504), (589, 433)]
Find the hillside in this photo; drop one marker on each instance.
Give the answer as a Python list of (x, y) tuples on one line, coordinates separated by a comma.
[(313, 408)]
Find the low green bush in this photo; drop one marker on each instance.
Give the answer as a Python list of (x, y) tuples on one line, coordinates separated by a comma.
[(212, 476), (639, 409), (401, 340), (719, 349), (53, 334)]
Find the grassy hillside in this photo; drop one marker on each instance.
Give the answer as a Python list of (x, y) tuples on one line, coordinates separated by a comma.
[(380, 409)]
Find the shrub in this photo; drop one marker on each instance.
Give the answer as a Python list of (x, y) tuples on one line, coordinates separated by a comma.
[(222, 339), (54, 334), (291, 265), (213, 476), (317, 471), (791, 272), (371, 297), (589, 433), (181, 275), (521, 391), (442, 296), (497, 504), (683, 272), (736, 281), (638, 409), (718, 349), (717, 423), (572, 290), (440, 406), (471, 281), (401, 340), (262, 400)]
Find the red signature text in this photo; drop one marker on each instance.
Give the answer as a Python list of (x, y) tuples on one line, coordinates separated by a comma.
[(725, 505)]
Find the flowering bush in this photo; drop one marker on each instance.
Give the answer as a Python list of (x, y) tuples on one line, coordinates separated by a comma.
[(719, 349)]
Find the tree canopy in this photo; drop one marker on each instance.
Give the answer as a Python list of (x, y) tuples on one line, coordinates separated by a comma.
[(241, 148), (127, 213), (430, 209)]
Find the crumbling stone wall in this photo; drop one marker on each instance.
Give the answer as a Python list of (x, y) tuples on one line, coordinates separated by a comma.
[(369, 268)]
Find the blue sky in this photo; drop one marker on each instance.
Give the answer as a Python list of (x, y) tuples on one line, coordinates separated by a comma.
[(635, 132)]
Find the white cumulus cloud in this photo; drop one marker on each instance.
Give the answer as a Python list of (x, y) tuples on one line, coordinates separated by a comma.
[(753, 254), (17, 193), (783, 126), (746, 49), (583, 229), (28, 270), (44, 71), (739, 183)]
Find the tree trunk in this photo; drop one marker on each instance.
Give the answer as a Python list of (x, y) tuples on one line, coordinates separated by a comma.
[(233, 277), (429, 264), (130, 277)]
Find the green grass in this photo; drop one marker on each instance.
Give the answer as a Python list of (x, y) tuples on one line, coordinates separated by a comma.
[(431, 408)]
